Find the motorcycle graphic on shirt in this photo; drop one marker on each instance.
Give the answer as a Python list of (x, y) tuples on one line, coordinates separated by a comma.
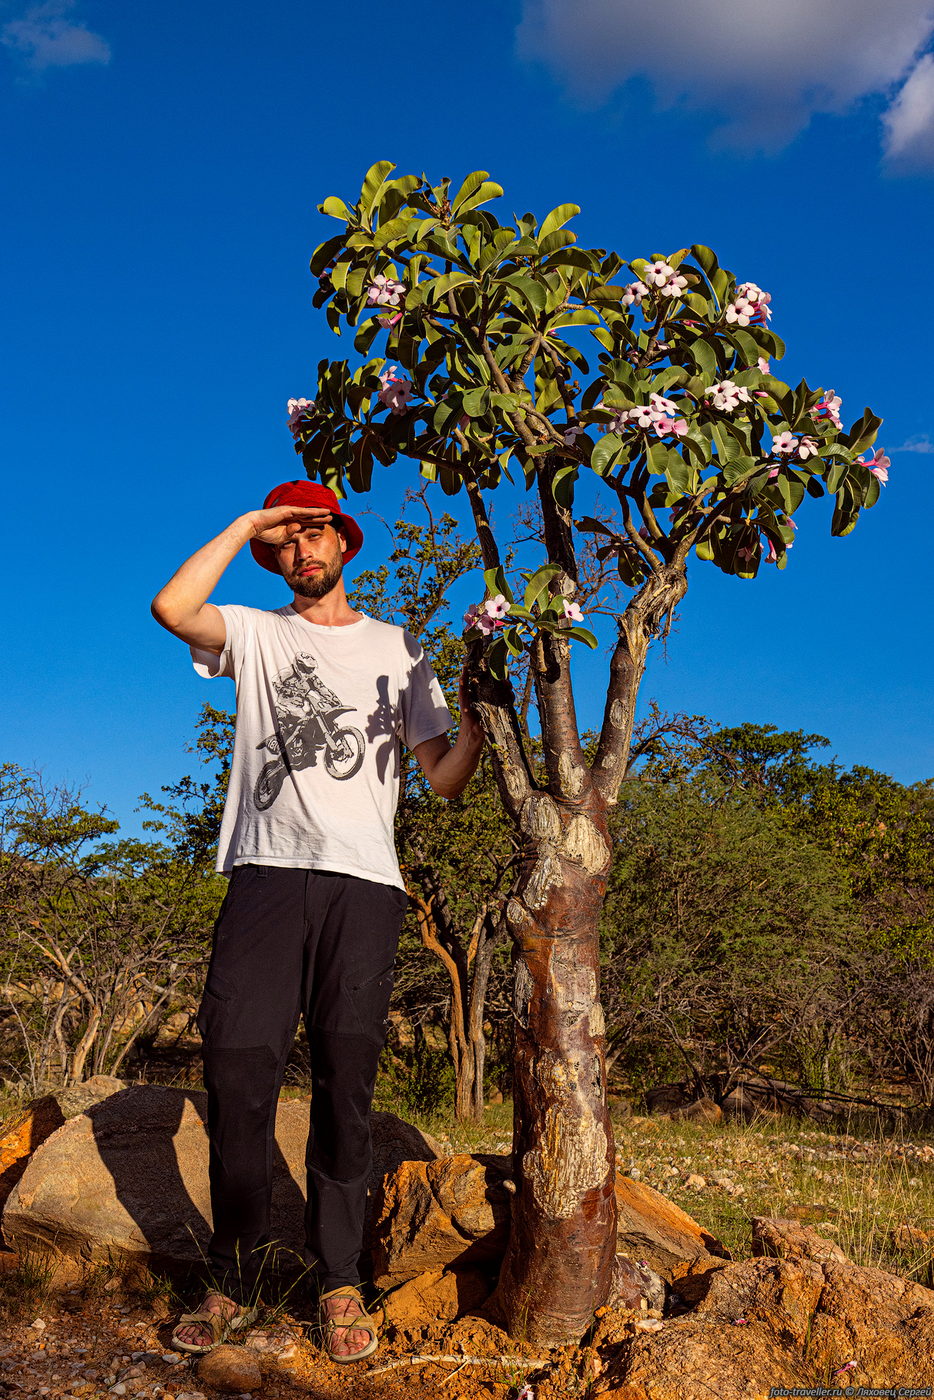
[(309, 716)]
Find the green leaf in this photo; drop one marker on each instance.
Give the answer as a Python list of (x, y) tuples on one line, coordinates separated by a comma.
[(557, 219), (336, 209), (537, 586), (705, 258), (528, 289), (439, 287), (494, 581), (495, 658), (476, 402), (374, 182), (704, 357), (582, 634), (469, 187), (487, 191), (605, 452), (395, 228)]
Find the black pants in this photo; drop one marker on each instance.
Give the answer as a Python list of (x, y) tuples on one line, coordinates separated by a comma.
[(289, 943)]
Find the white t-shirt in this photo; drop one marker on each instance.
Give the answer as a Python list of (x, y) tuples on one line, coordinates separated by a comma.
[(321, 712)]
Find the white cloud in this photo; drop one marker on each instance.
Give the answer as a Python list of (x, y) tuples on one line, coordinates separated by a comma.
[(765, 66), (46, 38), (909, 122), (915, 444)]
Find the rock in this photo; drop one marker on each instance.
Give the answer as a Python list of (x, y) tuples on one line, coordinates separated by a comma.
[(40, 1120), (666, 1098), (800, 1319), (789, 1239), (653, 1230), (127, 1179), (230, 1368), (908, 1238), (700, 1111), (695, 1182), (435, 1214), (437, 1296)]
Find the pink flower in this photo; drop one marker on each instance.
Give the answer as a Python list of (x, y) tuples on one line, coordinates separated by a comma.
[(763, 364), (770, 556), (572, 612), (642, 416), (396, 391), (497, 607), (571, 433), (741, 311), (774, 473), (387, 321), (486, 624), (385, 291), (300, 410), (471, 615), (808, 447), (635, 294), (661, 405), (750, 305), (728, 396), (749, 551), (878, 464), (617, 424), (785, 444), (828, 409), (662, 424)]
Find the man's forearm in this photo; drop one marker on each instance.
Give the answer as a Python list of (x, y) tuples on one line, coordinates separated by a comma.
[(189, 588), (454, 770)]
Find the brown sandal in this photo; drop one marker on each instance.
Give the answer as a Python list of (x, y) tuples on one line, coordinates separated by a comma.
[(217, 1324), (361, 1320)]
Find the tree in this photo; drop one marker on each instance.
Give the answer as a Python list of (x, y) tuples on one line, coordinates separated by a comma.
[(488, 324)]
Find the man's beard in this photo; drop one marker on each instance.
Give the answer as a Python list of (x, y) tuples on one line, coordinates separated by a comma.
[(319, 583)]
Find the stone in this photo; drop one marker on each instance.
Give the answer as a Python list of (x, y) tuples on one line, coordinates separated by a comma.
[(789, 1323), (785, 1239), (127, 1179), (230, 1369), (40, 1119), (437, 1296), (433, 1215), (700, 1111), (653, 1230), (908, 1238)]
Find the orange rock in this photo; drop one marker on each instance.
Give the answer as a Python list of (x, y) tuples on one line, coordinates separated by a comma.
[(784, 1239), (654, 1229), (437, 1296)]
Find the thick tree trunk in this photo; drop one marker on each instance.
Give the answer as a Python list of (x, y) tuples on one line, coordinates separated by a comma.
[(562, 1243)]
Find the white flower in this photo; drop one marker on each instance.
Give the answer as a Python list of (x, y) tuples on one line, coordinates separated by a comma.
[(572, 611), (741, 311), (658, 273), (785, 444), (635, 294), (661, 405), (673, 287), (808, 447)]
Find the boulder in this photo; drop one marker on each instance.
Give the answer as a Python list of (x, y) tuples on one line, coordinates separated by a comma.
[(230, 1369), (635, 1287), (435, 1215), (653, 1230), (437, 1296), (128, 1179), (790, 1323), (789, 1239), (23, 1135), (454, 1213), (700, 1111)]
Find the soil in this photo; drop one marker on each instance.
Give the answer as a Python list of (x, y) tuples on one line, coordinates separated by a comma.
[(92, 1342)]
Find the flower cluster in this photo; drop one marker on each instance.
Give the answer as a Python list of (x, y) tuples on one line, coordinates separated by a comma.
[(488, 617), (396, 391), (749, 307), (635, 294), (787, 445), (300, 412), (664, 279), (828, 409), (728, 396), (878, 464), (385, 291)]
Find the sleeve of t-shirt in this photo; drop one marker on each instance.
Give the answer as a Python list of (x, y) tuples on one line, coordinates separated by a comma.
[(424, 710), (209, 664)]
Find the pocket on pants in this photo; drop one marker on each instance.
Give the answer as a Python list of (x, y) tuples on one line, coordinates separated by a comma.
[(369, 998)]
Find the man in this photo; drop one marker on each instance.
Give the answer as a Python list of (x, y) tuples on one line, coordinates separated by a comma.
[(310, 922)]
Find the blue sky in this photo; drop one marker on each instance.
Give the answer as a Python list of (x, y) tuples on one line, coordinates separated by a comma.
[(163, 164)]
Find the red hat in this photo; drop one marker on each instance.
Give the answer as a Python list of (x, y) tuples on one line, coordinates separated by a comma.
[(306, 493)]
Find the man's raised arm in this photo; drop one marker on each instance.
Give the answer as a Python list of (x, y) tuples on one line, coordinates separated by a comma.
[(182, 605)]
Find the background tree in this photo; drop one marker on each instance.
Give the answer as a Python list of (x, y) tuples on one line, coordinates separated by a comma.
[(686, 432)]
